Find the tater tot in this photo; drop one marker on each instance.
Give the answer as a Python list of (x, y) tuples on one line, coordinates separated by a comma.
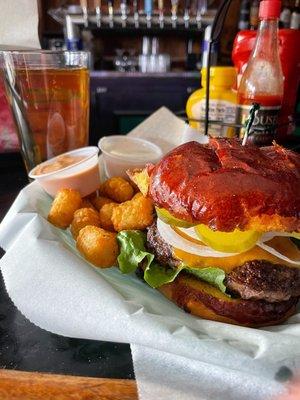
[(82, 218), (66, 202), (118, 189), (105, 216), (98, 246), (133, 214), (98, 202), (137, 196)]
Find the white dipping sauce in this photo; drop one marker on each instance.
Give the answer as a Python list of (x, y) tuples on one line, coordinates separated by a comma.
[(121, 153)]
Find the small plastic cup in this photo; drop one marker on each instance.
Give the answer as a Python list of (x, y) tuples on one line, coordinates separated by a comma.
[(83, 175), (121, 153)]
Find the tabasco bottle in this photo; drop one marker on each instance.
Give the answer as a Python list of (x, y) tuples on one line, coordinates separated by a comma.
[(262, 80)]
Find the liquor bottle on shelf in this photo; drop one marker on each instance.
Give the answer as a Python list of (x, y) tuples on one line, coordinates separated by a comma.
[(110, 4), (135, 5), (201, 9), (161, 13), (244, 15), (174, 11), (295, 17), (186, 16), (148, 5), (123, 9), (254, 14), (285, 16), (97, 5), (262, 80)]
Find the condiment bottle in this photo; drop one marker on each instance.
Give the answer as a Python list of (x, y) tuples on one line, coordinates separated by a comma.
[(289, 39), (222, 102), (262, 80)]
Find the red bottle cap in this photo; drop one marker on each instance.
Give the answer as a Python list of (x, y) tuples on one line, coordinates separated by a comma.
[(269, 9)]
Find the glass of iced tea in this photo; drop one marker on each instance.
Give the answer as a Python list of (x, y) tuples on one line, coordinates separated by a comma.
[(49, 95)]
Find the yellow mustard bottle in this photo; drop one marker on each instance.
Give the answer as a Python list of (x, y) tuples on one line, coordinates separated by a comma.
[(222, 103)]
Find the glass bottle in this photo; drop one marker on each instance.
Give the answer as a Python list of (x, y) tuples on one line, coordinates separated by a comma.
[(262, 80)]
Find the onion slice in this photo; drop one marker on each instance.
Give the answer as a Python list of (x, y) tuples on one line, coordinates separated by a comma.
[(174, 239), (276, 253), (189, 232), (270, 235)]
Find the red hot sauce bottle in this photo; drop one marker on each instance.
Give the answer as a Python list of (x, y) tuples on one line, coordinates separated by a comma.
[(262, 80)]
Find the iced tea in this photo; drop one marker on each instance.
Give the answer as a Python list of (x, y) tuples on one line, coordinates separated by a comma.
[(49, 97), (56, 105)]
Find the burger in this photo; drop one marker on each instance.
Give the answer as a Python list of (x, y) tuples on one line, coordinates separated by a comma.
[(223, 245)]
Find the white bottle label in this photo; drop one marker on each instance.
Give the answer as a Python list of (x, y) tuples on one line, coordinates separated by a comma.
[(219, 111)]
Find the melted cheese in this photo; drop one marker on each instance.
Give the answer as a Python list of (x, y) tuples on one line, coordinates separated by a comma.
[(282, 244)]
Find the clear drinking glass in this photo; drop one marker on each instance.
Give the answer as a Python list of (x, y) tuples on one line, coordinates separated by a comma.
[(49, 95)]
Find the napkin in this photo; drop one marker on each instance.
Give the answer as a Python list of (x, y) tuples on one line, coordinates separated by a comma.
[(162, 128), (161, 375), (175, 355), (19, 24)]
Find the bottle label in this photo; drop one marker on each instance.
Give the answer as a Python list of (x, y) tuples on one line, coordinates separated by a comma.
[(264, 126), (219, 110)]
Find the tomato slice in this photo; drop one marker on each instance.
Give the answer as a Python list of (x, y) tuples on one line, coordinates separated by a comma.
[(169, 219), (228, 242)]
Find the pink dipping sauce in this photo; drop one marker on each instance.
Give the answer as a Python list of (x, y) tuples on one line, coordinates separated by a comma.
[(77, 169)]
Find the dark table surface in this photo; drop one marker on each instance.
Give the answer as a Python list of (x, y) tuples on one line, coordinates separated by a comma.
[(24, 346)]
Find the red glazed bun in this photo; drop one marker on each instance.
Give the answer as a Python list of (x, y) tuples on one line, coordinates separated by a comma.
[(226, 185)]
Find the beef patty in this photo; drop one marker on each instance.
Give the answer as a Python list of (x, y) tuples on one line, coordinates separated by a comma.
[(255, 280), (261, 279), (162, 250)]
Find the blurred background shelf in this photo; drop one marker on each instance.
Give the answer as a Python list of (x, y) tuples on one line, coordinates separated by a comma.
[(104, 41)]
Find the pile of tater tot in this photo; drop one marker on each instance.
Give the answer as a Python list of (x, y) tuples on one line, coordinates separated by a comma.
[(95, 220)]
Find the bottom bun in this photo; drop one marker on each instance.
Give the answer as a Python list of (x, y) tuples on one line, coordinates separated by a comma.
[(205, 301)]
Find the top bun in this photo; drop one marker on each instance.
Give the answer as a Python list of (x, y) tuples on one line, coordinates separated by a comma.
[(225, 185)]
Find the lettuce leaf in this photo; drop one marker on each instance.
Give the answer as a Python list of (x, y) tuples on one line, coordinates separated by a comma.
[(214, 276), (133, 252), (132, 246), (156, 275)]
